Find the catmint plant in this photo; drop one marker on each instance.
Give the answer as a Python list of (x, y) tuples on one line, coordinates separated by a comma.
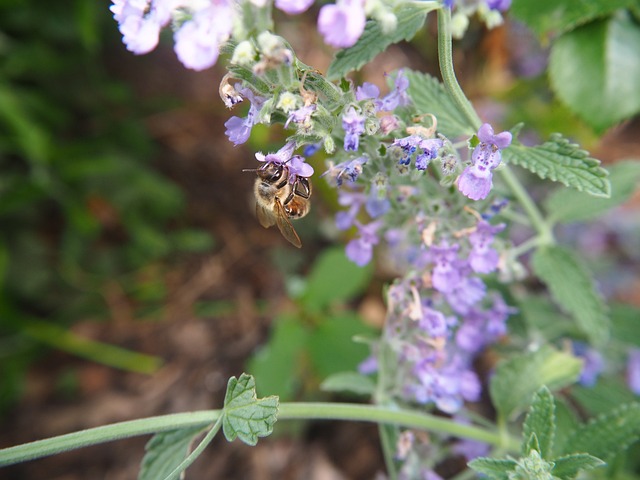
[(483, 304)]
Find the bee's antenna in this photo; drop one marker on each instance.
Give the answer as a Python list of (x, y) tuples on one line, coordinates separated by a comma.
[(249, 169)]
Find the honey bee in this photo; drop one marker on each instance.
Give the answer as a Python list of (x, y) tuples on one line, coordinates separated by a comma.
[(278, 200)]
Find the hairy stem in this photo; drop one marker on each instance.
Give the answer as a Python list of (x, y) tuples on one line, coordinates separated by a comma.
[(287, 411)]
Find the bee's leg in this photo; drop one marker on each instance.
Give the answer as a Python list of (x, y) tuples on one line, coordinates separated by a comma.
[(302, 188)]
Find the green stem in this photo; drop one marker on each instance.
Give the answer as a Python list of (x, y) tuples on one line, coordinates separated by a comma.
[(287, 411), (445, 57)]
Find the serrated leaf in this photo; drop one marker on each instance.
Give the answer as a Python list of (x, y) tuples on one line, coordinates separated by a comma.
[(429, 96), (493, 468), (352, 382), (570, 206), (552, 17), (573, 289), (165, 451), (411, 17), (562, 161), (625, 326), (607, 434), (566, 422), (567, 467), (334, 278), (541, 422), (244, 415), (518, 378), (604, 396), (595, 70)]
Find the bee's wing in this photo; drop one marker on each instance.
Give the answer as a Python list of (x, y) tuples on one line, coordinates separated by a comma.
[(284, 224), (265, 216)]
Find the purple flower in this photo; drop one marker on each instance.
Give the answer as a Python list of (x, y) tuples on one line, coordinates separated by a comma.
[(298, 168), (376, 206), (301, 115), (366, 91), (360, 250), (293, 7), (239, 129), (430, 149), (466, 292), (398, 97), (434, 322), (593, 363), (354, 201), (633, 371), (342, 24), (353, 124), (198, 40), (501, 5), (475, 181), (483, 258), (282, 156), (139, 24), (368, 365), (446, 274)]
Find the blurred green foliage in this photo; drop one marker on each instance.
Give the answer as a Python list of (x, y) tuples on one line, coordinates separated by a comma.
[(80, 204)]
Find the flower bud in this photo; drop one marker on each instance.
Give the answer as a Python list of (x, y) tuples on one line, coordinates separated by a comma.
[(329, 144), (244, 54)]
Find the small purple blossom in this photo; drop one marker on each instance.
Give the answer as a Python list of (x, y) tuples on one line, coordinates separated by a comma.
[(369, 365), (301, 115), (410, 145), (593, 363), (466, 292), (239, 129), (139, 24), (341, 24), (367, 91), (430, 149), (398, 97), (298, 168), (483, 258), (475, 181), (198, 40), (281, 157), (293, 7), (353, 200), (353, 124), (360, 249), (446, 273), (501, 5)]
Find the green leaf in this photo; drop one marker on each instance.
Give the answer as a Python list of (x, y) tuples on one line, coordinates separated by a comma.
[(244, 415), (165, 451), (334, 279), (429, 96), (541, 421), (518, 378), (331, 346), (570, 206), (566, 422), (604, 396), (352, 382), (573, 289), (595, 70), (411, 17), (624, 323), (567, 467), (607, 434), (561, 161), (493, 468), (553, 17), (277, 364)]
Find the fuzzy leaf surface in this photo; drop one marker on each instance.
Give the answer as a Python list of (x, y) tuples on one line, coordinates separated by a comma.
[(567, 467), (518, 378), (165, 451), (541, 421), (561, 161), (607, 434), (244, 415), (553, 17), (567, 205), (429, 96), (573, 289), (595, 70), (411, 17), (492, 467)]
